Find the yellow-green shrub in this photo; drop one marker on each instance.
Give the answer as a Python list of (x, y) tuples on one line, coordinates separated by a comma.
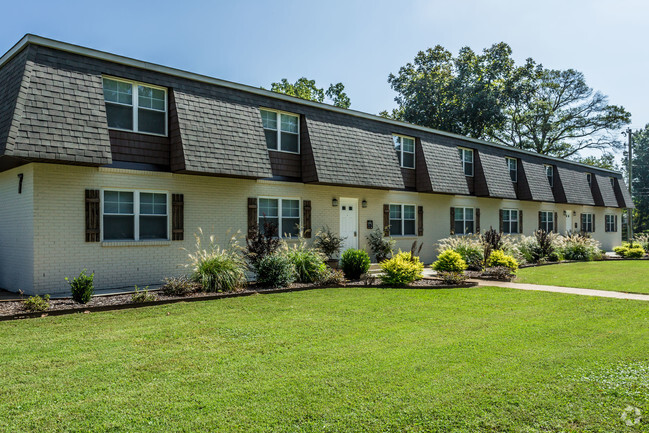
[(630, 250), (498, 258), (402, 269), (449, 261)]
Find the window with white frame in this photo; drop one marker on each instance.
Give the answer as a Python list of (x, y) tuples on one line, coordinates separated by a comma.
[(135, 215), (464, 220), (137, 107), (510, 221), (612, 181), (466, 156), (587, 222), (282, 130), (405, 147), (512, 164), (609, 222), (549, 173), (283, 213), (589, 179), (546, 221), (402, 220)]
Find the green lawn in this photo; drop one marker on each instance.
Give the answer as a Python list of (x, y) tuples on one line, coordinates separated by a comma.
[(623, 276), (354, 359)]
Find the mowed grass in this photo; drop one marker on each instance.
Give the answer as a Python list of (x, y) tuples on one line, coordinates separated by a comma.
[(622, 276), (334, 360)]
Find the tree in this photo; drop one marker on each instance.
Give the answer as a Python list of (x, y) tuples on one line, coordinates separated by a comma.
[(640, 181), (307, 89), (487, 96), (605, 160)]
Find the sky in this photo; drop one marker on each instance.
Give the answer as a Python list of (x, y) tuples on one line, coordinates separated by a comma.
[(358, 43)]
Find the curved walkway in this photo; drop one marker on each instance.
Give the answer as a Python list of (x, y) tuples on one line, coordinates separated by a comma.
[(568, 290)]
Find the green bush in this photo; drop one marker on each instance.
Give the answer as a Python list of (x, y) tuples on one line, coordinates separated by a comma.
[(452, 278), (354, 263), (402, 269), (36, 303), (381, 247), (635, 253), (450, 261), (275, 270), (499, 273), (142, 295), (328, 242), (499, 259), (309, 263), (179, 286), (332, 277), (579, 247), (470, 247), (218, 269), (82, 287), (631, 250)]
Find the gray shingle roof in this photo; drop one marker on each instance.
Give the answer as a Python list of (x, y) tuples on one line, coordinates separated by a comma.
[(11, 77), (537, 180), (444, 166), (606, 190), (496, 174), (624, 193), (575, 186)]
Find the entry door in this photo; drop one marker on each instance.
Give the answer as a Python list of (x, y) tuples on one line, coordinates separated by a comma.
[(569, 224), (349, 222)]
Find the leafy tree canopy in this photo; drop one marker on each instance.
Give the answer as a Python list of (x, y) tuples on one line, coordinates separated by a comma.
[(307, 89), (640, 180), (605, 160), (488, 96)]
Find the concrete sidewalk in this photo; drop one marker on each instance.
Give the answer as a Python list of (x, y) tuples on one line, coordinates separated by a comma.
[(567, 290)]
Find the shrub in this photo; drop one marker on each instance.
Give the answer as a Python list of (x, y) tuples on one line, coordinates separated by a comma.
[(142, 295), (635, 253), (218, 269), (470, 247), (179, 286), (450, 261), (541, 247), (328, 242), (452, 278), (499, 259), (354, 263), (381, 247), (261, 244), (82, 287), (309, 263), (402, 269), (631, 250), (36, 303), (494, 239), (579, 247), (643, 240), (275, 270), (332, 277), (499, 273)]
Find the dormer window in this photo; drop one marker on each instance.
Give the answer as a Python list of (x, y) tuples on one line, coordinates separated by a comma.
[(405, 147), (612, 181), (136, 107), (589, 178), (512, 164), (282, 130), (466, 156), (549, 173)]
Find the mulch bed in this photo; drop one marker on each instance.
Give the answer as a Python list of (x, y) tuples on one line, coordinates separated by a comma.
[(11, 310)]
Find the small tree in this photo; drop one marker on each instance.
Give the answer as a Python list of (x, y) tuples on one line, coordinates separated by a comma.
[(381, 247), (261, 243), (328, 242)]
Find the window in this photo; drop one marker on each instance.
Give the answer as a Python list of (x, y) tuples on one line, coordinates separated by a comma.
[(546, 221), (612, 181), (402, 220), (405, 147), (512, 163), (587, 222), (283, 213), (589, 179), (464, 220), (281, 130), (510, 221), (466, 156), (137, 107), (134, 215), (549, 172), (610, 223)]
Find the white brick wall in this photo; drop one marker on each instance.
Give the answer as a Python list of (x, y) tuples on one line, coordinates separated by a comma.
[(217, 205)]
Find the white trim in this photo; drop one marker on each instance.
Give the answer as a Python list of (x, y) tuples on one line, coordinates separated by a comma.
[(136, 215), (403, 220), (414, 150), (464, 220), (472, 151), (280, 231), (127, 61), (545, 167), (279, 131), (509, 159), (551, 217), (516, 212)]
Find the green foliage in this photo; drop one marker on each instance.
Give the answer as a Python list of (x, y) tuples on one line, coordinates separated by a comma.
[(260, 243), (309, 263), (579, 247), (140, 296), (499, 259), (328, 242), (450, 261), (381, 247), (179, 286), (402, 269), (452, 278), (82, 287), (470, 247), (332, 277), (632, 250), (307, 89), (605, 160), (643, 240), (36, 303), (276, 270), (640, 180), (540, 248), (354, 263), (217, 269), (502, 273)]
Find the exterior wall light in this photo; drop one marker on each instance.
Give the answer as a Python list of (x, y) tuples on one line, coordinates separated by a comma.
[(334, 202), (364, 203)]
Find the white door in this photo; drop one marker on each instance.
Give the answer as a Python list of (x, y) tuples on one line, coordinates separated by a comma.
[(349, 222), (569, 227)]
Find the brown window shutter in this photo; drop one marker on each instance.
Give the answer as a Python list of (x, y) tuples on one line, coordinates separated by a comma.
[(252, 215), (306, 218), (420, 221), (452, 221), (540, 220), (555, 223), (477, 220), (593, 223), (616, 223), (177, 217), (386, 220), (520, 221), (92, 215), (581, 222), (500, 220)]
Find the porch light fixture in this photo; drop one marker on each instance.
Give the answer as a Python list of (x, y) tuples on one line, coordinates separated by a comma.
[(334, 202), (364, 203)]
